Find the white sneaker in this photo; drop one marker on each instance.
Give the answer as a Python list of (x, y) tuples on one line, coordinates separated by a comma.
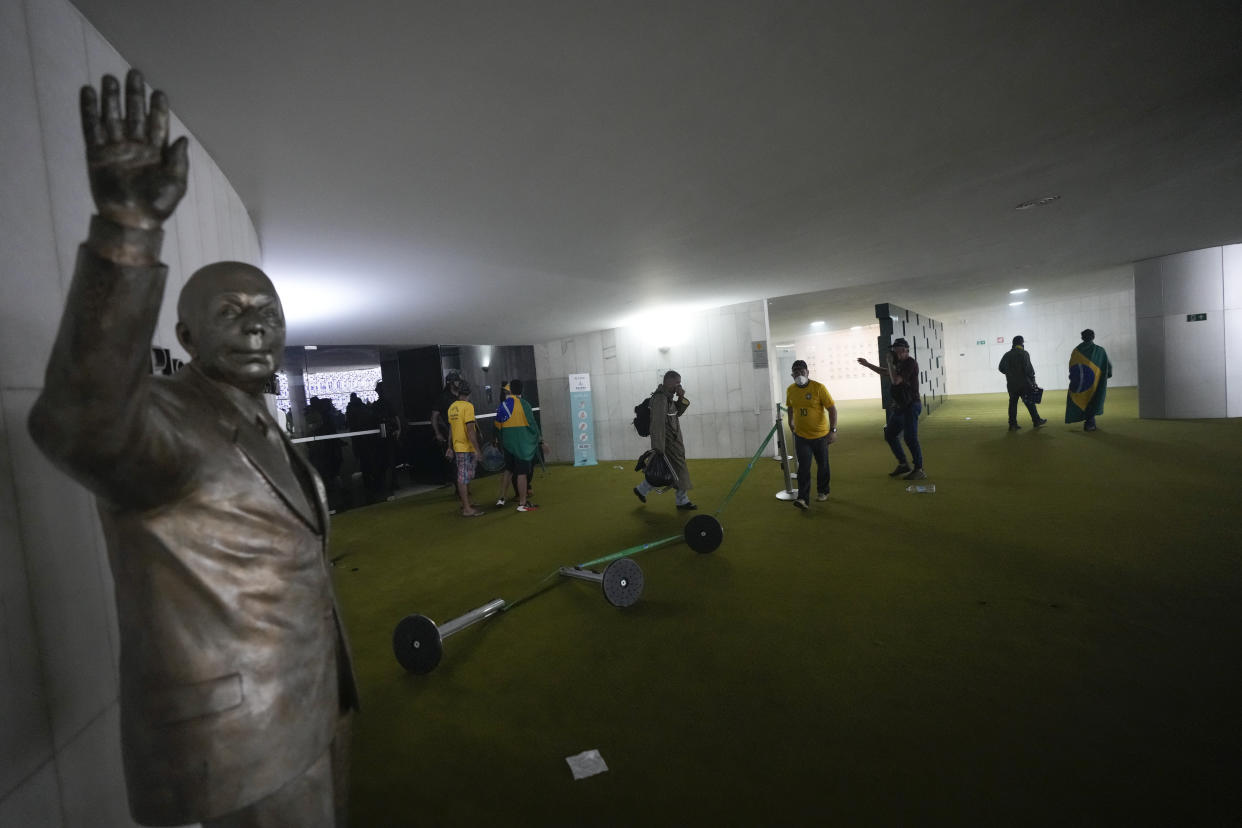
[(500, 502), (821, 497), (800, 503)]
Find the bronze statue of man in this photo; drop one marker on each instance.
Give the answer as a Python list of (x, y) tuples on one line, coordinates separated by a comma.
[(235, 670)]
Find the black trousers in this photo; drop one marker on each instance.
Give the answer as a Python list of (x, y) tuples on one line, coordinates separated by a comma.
[(1014, 396), (805, 449)]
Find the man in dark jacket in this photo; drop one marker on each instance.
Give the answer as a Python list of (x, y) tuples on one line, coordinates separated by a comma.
[(1019, 380)]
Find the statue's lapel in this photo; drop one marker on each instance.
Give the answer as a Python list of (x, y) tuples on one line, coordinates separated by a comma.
[(276, 466), (272, 464)]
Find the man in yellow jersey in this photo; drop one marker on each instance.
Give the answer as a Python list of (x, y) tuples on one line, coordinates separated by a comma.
[(465, 446), (806, 402)]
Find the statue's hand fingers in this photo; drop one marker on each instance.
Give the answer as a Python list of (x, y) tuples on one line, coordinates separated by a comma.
[(177, 161), (135, 107), (112, 109), (92, 130), (157, 119)]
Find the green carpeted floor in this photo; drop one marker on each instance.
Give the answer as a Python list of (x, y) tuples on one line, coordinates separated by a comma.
[(1052, 637)]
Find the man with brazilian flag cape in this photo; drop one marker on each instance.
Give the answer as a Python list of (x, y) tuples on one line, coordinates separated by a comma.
[(1089, 372)]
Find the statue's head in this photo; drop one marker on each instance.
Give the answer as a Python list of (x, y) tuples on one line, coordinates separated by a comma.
[(230, 321)]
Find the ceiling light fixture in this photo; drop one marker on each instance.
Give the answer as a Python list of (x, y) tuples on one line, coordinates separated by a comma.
[(856, 327), (310, 347), (818, 323), (1039, 202), (1014, 304), (1019, 290)]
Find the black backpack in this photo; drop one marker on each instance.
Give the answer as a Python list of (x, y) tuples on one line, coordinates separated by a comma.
[(642, 418)]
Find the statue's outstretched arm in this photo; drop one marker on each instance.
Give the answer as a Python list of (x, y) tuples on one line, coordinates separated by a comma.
[(89, 416)]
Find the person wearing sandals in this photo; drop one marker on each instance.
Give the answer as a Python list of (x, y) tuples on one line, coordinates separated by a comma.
[(465, 446), (904, 408)]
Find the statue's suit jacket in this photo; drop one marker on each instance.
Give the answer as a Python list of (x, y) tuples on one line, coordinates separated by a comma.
[(234, 664)]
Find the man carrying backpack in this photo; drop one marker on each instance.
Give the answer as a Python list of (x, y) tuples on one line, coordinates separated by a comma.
[(667, 403)]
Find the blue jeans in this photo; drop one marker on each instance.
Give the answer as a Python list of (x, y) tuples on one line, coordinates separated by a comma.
[(805, 448), (905, 420)]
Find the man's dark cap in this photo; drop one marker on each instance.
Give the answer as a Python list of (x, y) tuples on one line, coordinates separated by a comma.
[(900, 342), (1018, 340), (798, 363)]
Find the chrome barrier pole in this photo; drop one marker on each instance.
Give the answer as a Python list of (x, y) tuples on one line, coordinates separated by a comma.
[(788, 493)]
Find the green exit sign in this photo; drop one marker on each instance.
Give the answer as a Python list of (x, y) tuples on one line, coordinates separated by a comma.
[(981, 342), (1196, 317)]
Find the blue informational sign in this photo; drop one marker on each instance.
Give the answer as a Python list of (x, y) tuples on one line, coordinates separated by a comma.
[(582, 419)]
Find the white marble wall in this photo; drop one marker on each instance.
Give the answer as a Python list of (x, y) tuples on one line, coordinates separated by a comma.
[(59, 745), (1051, 331), (1190, 368), (731, 407), (832, 358)]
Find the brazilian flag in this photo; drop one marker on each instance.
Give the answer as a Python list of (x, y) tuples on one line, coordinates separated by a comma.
[(1089, 370)]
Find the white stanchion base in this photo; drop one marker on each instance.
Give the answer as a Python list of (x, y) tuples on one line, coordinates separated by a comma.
[(787, 494)]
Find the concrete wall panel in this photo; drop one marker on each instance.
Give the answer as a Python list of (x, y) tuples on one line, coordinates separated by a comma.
[(1194, 378), (1192, 281), (1233, 367), (1151, 366)]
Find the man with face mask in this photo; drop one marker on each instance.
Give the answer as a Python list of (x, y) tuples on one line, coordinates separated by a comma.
[(234, 671), (806, 402)]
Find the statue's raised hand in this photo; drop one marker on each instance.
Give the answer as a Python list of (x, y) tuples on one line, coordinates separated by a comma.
[(136, 177)]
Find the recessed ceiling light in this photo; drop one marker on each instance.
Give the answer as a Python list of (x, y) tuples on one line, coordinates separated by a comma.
[(818, 323), (785, 345), (311, 347), (1038, 202), (856, 328), (1014, 304), (1020, 290)]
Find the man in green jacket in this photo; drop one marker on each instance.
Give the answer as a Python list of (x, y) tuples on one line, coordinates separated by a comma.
[(668, 402)]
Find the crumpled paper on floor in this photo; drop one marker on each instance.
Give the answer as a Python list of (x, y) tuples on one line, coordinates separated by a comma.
[(587, 763)]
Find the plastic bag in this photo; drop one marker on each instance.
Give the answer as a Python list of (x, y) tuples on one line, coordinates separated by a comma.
[(658, 472)]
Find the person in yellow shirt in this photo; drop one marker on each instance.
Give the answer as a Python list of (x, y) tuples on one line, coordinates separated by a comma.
[(464, 446), (813, 421)]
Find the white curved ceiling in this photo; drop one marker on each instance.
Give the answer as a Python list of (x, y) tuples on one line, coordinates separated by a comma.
[(513, 172)]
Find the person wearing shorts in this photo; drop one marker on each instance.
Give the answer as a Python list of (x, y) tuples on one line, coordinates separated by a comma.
[(465, 446)]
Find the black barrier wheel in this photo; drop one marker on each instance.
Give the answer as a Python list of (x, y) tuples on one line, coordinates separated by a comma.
[(623, 583), (704, 533), (417, 645)]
